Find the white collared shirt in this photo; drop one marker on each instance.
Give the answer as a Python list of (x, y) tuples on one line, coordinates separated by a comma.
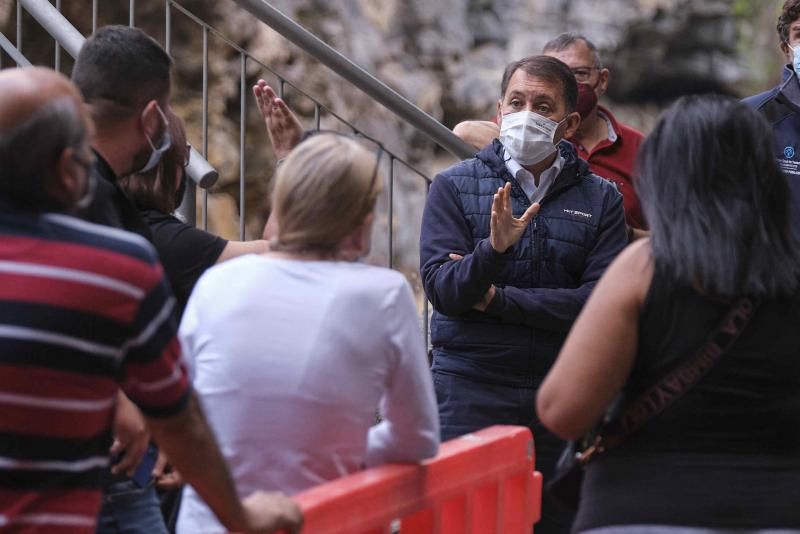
[(525, 178), (612, 134)]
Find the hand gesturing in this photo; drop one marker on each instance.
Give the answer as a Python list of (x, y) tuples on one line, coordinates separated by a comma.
[(505, 230), (283, 127)]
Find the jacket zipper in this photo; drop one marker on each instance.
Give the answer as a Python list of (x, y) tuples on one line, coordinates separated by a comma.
[(535, 248)]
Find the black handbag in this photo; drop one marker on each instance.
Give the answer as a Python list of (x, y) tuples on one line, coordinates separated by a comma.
[(565, 486)]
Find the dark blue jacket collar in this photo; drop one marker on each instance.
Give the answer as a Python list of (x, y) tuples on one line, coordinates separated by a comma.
[(790, 87), (573, 170)]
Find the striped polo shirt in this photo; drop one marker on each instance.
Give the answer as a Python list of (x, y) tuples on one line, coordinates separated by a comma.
[(84, 310)]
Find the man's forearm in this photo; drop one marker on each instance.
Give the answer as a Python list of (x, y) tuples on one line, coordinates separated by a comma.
[(553, 309), (192, 449), (455, 286)]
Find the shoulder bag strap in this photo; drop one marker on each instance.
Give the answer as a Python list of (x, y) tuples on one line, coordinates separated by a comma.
[(674, 384)]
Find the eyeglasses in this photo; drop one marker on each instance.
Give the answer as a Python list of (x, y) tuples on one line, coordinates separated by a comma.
[(187, 157), (582, 74), (378, 154)]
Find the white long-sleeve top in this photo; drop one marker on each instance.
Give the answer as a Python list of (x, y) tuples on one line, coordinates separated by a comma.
[(291, 360)]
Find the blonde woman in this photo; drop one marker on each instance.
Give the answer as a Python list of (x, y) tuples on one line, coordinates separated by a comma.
[(293, 350)]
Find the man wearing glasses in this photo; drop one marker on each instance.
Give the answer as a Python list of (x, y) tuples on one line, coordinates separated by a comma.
[(608, 145)]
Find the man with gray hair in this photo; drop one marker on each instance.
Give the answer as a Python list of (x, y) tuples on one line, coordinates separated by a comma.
[(606, 144), (85, 310)]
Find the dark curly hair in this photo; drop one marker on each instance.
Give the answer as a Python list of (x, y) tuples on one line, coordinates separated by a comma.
[(789, 14), (716, 201), (157, 189)]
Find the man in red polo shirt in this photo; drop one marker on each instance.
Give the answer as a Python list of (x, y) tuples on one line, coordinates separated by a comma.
[(608, 146)]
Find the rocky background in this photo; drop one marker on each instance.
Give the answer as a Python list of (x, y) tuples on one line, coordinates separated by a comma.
[(447, 56)]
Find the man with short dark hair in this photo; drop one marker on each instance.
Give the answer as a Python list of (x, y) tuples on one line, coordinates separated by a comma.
[(124, 76), (781, 104), (85, 310), (609, 146), (512, 243)]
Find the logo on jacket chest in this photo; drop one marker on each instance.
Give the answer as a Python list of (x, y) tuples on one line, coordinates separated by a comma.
[(578, 214), (787, 163)]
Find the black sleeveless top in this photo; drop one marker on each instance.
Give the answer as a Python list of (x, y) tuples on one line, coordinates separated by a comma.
[(726, 454)]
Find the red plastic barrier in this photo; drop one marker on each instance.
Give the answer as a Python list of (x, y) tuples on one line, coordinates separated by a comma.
[(481, 483)]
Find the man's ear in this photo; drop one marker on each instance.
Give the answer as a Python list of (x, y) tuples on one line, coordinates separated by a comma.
[(602, 82), (787, 52), (570, 125), (499, 117), (68, 179), (150, 120)]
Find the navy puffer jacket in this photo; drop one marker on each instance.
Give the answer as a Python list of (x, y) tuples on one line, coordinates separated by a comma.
[(781, 107), (542, 282)]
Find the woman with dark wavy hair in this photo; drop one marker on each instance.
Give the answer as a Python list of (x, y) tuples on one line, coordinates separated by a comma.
[(185, 251), (725, 454)]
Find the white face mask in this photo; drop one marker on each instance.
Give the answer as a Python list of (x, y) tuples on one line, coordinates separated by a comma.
[(528, 137), (157, 152), (796, 59)]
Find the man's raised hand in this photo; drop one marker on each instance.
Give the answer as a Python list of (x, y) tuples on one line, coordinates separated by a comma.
[(505, 230)]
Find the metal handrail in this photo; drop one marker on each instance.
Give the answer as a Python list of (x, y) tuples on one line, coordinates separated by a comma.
[(12, 51), (357, 76), (69, 38), (319, 109), (318, 106)]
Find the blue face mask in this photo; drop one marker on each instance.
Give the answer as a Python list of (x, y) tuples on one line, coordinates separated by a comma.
[(796, 59), (155, 155)]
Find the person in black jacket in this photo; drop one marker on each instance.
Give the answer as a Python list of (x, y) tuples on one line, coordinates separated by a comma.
[(781, 105), (512, 243)]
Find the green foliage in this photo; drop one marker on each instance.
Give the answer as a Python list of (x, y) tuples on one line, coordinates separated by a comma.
[(744, 8)]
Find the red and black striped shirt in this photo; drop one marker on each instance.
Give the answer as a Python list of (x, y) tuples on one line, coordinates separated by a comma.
[(84, 309)]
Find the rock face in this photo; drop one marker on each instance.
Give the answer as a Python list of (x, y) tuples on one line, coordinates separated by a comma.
[(447, 56)]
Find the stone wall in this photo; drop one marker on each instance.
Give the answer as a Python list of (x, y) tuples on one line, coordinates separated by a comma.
[(446, 56)]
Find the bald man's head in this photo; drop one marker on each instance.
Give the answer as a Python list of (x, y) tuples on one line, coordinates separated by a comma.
[(27, 89), (43, 139)]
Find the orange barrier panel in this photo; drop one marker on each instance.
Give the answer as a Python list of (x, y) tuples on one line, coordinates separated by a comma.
[(481, 483)]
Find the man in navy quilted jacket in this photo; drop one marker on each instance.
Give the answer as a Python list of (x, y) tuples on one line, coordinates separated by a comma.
[(781, 104), (513, 241)]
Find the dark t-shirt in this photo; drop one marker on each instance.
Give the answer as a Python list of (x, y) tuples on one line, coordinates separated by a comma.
[(110, 205), (185, 251), (727, 453)]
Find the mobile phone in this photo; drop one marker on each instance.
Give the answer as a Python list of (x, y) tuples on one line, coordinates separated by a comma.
[(143, 473)]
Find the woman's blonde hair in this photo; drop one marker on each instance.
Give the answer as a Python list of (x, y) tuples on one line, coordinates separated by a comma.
[(323, 191)]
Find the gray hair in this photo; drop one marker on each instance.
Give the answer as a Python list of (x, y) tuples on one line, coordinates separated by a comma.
[(568, 39), (29, 151)]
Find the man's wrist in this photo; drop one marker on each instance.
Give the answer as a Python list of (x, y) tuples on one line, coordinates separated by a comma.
[(491, 247)]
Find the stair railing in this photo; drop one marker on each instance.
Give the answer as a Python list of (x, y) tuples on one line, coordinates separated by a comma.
[(68, 38)]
